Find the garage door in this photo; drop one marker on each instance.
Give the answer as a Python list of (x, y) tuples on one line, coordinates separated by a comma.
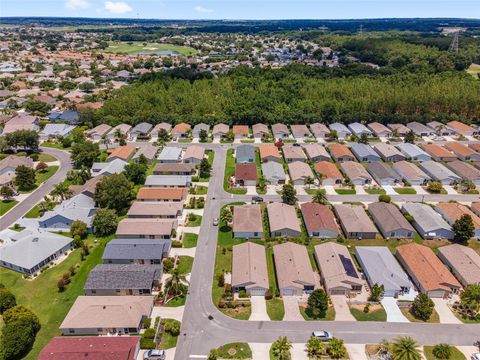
[(287, 292), (257, 292)]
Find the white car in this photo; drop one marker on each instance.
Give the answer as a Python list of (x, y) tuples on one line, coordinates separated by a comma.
[(215, 222), (323, 335), (476, 356), (154, 355)]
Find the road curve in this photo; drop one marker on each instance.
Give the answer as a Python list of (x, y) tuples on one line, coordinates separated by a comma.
[(23, 207)]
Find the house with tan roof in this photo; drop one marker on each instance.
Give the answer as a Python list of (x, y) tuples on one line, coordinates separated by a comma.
[(462, 151), (21, 122), (174, 169), (388, 152), (124, 130), (390, 221), (299, 172), (146, 228), (400, 129), (247, 221), (411, 173), (452, 211), (194, 154), (474, 147), (260, 130), (161, 194), (149, 151), (356, 173), (294, 272), (124, 153), (283, 220), (463, 261), (300, 131), (316, 152), (338, 273), (328, 173), (419, 129), (98, 132), (462, 129), (9, 165), (379, 129), (220, 130), (320, 131), (181, 130), (280, 131), (107, 315), (439, 128), (249, 269), (155, 209), (340, 152), (355, 222), (438, 152), (240, 131), (163, 125), (476, 208), (293, 153), (319, 221), (465, 171), (426, 270), (269, 152)]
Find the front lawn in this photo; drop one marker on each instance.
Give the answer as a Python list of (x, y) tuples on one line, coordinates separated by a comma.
[(433, 319), (6, 205), (455, 354), (42, 157), (168, 341), (55, 145), (329, 316), (201, 190), (229, 172), (345, 191), (405, 190), (42, 296), (178, 301), (375, 191), (234, 351), (275, 309), (33, 213), (196, 220), (184, 264), (189, 240), (376, 313), (44, 176)]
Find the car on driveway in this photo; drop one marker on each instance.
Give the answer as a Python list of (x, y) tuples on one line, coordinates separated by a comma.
[(154, 355), (323, 335)]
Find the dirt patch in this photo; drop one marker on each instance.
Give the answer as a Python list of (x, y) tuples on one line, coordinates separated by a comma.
[(373, 307)]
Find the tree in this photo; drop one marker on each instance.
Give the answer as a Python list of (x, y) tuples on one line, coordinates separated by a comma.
[(113, 192), (105, 222), (19, 312), (205, 168), (87, 86), (7, 300), (336, 349), (434, 187), (442, 351), (363, 138), (377, 292), (7, 193), (384, 198), (17, 339), (62, 191), (463, 228), (85, 154), (226, 216), (61, 285), (173, 328), (136, 173), (289, 194), (163, 135), (41, 167), (203, 135), (317, 303), (410, 137), (422, 307), (281, 349), (405, 348), (320, 197), (309, 181), (26, 139), (24, 177), (471, 296), (315, 348), (78, 228), (174, 286), (213, 355)]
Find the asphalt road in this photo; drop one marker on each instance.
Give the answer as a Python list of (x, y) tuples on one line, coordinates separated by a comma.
[(23, 207), (199, 334)]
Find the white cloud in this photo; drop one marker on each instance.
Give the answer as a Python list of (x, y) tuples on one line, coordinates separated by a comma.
[(119, 7), (76, 4), (203, 10)]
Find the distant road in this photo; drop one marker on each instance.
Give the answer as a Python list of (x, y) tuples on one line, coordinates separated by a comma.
[(23, 207)]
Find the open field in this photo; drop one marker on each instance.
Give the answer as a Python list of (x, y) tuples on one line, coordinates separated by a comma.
[(474, 69), (148, 48)]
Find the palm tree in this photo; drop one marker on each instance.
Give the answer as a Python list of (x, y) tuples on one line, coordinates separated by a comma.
[(62, 191), (336, 349), (226, 216), (45, 205), (281, 349), (405, 348), (442, 351), (309, 181), (175, 284), (320, 197), (315, 348), (105, 141)]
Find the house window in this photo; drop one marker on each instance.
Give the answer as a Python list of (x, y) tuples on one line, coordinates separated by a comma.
[(71, 331), (316, 234), (94, 291)]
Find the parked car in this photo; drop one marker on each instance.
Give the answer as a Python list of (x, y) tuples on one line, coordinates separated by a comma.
[(215, 222), (154, 355), (256, 199), (476, 356), (322, 335), (296, 144)]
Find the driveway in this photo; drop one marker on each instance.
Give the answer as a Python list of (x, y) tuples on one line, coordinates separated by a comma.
[(330, 190), (389, 190), (450, 190), (170, 354), (260, 351), (360, 190), (292, 312), (166, 312), (356, 351), (183, 251), (298, 351), (445, 314), (342, 311), (468, 351), (393, 311), (259, 308), (420, 190)]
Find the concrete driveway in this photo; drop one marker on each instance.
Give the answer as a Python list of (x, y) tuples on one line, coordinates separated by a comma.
[(342, 311), (389, 190), (445, 314), (170, 354), (468, 351), (393, 311), (360, 190), (166, 312), (260, 351), (259, 309), (292, 312), (298, 351), (356, 351)]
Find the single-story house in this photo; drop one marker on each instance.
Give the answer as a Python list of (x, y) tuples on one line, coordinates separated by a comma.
[(88, 188), (328, 173), (163, 125), (380, 267), (245, 154), (55, 131), (283, 220), (294, 272), (355, 222), (21, 121), (319, 220), (240, 131), (320, 131), (379, 129), (269, 152), (340, 152), (161, 194), (383, 174), (388, 152), (399, 129), (246, 174), (146, 228), (316, 152), (260, 130), (426, 270), (181, 130), (413, 152), (293, 153), (364, 152), (462, 129), (174, 181), (356, 173), (452, 211), (123, 129), (439, 172), (149, 151), (337, 269), (194, 154), (220, 130), (440, 129), (429, 223), (410, 173), (247, 221), (9, 165), (462, 151), (300, 131), (299, 172), (105, 315), (438, 153), (280, 131), (359, 129), (341, 130), (68, 116), (198, 128), (155, 209), (463, 261), (124, 153), (174, 169), (273, 173), (390, 221), (170, 154), (136, 251), (98, 132), (465, 171), (115, 166), (249, 269), (419, 129)]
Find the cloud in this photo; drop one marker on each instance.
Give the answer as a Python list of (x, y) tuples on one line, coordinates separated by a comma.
[(203, 10), (118, 7), (76, 4)]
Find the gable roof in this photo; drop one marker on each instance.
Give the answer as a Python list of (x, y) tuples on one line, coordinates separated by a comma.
[(354, 170), (247, 218), (162, 193), (339, 150), (245, 172), (292, 265), (354, 218), (315, 150), (389, 217), (194, 152), (120, 249), (181, 128), (249, 265), (282, 216), (135, 227), (328, 169), (299, 170), (122, 276), (427, 218), (381, 170), (318, 217), (293, 152), (267, 150), (122, 152), (155, 208), (463, 260), (273, 170)]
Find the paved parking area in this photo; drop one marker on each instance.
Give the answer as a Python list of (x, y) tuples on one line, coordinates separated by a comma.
[(393, 311), (260, 351), (445, 314), (259, 309), (292, 312), (342, 311)]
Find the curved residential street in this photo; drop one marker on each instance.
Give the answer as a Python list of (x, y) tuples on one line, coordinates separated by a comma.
[(199, 334), (23, 207)]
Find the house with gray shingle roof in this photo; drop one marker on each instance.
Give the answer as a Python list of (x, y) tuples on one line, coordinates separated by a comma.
[(56, 130), (355, 221), (359, 129), (419, 129), (108, 168), (390, 221), (142, 130), (413, 152), (364, 153), (388, 152), (342, 130), (383, 174), (136, 251), (249, 269), (168, 181), (198, 128), (170, 154), (429, 223), (439, 172), (273, 173), (410, 172), (245, 154)]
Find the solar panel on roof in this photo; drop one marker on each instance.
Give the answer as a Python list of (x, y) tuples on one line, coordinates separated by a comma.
[(348, 266)]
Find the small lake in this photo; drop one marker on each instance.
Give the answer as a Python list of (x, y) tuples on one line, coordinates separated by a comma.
[(158, 52)]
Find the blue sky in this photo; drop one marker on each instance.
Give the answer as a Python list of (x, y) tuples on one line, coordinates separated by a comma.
[(242, 9)]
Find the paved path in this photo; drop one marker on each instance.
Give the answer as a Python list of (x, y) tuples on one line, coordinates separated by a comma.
[(292, 312), (260, 351), (342, 311), (298, 351), (259, 309), (394, 314), (356, 351), (445, 314), (166, 312), (36, 196), (183, 252)]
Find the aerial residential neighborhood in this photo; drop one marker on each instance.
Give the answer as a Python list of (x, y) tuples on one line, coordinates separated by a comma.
[(208, 190)]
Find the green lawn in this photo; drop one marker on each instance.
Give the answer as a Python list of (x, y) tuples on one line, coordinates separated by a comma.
[(46, 158), (189, 240), (455, 354), (375, 191), (329, 316), (433, 319), (275, 309), (151, 47), (7, 205), (33, 213), (42, 296), (405, 191), (185, 140), (377, 315), (201, 190), (235, 351), (44, 176), (54, 145), (230, 171), (168, 341), (184, 264), (196, 222), (345, 191), (259, 172), (178, 301)]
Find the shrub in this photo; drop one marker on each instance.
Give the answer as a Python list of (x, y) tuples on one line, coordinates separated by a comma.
[(7, 300), (422, 307), (366, 309), (34, 156), (384, 198), (147, 323), (442, 351), (168, 264), (176, 244), (147, 344), (149, 333), (221, 280), (61, 285), (242, 294), (268, 295), (173, 328), (195, 178)]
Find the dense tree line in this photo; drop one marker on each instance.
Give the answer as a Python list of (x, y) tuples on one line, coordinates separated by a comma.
[(296, 94)]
